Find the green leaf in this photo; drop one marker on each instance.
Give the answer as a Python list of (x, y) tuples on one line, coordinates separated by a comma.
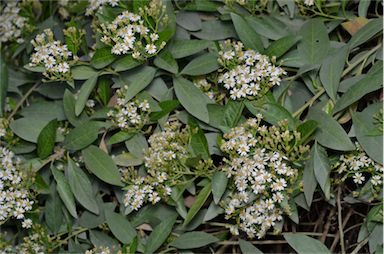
[(246, 34), (120, 226), (363, 8), (190, 96), (53, 210), (330, 133), (138, 80), (102, 58), (200, 65), (281, 46), (306, 129), (304, 244), (272, 112), (371, 82), (28, 128), (322, 168), (82, 135), (127, 160), (3, 83), (69, 103), (199, 202), (219, 184), (166, 107), (268, 26), (366, 33), (100, 239), (102, 165), (331, 70), (120, 136), (202, 5), (44, 110), (215, 30), (125, 63), (159, 234), (248, 248), (193, 240), (183, 48), (46, 139), (166, 62), (64, 191), (137, 145), (83, 72), (198, 143), (232, 113), (314, 45), (189, 20), (81, 187), (84, 93), (363, 124)]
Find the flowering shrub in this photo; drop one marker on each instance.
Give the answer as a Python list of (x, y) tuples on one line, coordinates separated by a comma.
[(153, 126)]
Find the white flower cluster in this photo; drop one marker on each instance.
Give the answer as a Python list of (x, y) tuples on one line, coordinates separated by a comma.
[(129, 34), (163, 161), (262, 179), (358, 166), (309, 2), (94, 5), (3, 127), (144, 189), (52, 55), (14, 196), (246, 73), (129, 115), (11, 23)]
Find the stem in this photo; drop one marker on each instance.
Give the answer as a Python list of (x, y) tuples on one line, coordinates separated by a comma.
[(23, 99), (360, 245), (81, 230), (253, 242), (362, 58), (340, 220), (309, 103)]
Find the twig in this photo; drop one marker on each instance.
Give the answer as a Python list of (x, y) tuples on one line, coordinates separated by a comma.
[(340, 221), (23, 99), (346, 219), (327, 225), (360, 245)]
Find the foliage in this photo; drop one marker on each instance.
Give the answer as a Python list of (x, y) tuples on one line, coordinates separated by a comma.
[(191, 126)]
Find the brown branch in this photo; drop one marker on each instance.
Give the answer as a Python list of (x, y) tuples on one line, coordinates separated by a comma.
[(327, 225)]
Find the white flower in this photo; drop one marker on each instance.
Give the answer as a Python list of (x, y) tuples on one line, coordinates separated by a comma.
[(309, 2), (27, 223), (90, 103), (150, 48), (358, 178), (154, 37)]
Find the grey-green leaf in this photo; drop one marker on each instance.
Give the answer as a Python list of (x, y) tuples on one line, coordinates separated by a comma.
[(371, 82), (330, 133), (120, 226), (203, 64), (366, 33), (160, 234), (190, 96), (3, 83), (46, 139), (331, 70), (138, 80), (83, 72), (166, 62), (314, 45), (84, 93), (304, 244), (219, 184), (82, 135), (281, 46), (246, 34), (248, 248), (322, 168), (183, 48), (363, 124), (199, 202), (64, 191), (102, 165), (81, 187), (126, 63), (191, 240), (102, 58)]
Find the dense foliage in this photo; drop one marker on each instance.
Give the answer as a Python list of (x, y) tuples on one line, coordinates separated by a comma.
[(191, 126)]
